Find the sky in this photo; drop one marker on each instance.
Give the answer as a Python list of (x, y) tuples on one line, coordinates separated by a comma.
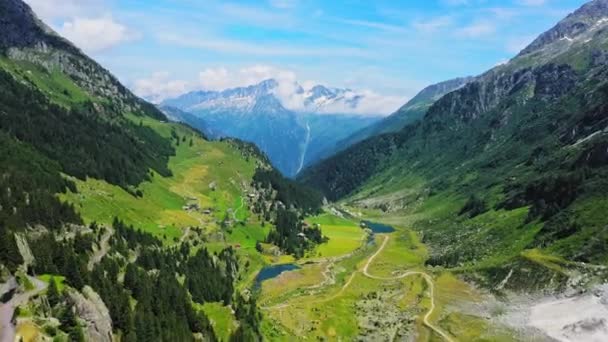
[(389, 50)]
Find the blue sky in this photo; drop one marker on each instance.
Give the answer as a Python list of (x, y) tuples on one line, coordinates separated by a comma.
[(391, 48)]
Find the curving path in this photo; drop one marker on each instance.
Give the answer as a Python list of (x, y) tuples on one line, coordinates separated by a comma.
[(7, 310), (237, 209), (365, 271), (426, 277)]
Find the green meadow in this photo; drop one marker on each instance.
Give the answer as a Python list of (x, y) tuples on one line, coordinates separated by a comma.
[(160, 209)]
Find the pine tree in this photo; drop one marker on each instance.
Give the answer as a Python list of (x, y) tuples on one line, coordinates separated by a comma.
[(53, 293), (9, 252)]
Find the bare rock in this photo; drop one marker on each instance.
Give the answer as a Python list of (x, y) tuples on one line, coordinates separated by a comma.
[(24, 249), (93, 311)]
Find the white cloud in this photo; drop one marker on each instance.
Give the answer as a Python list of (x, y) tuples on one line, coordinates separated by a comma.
[(477, 29), (160, 86), (532, 2), (257, 16), (372, 24), (432, 25), (371, 103), (240, 47), (284, 4), (221, 78), (87, 23), (96, 34), (456, 2), (49, 10)]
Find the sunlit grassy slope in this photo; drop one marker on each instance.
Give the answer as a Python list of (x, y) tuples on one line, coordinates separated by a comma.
[(344, 236), (222, 319), (213, 175), (56, 85)]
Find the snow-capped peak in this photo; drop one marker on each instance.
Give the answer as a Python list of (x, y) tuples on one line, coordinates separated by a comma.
[(290, 95)]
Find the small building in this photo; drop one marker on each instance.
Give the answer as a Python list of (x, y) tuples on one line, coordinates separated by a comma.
[(363, 224), (302, 235), (191, 207)]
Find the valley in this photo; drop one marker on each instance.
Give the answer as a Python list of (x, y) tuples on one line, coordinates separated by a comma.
[(292, 138), (287, 211), (364, 284)]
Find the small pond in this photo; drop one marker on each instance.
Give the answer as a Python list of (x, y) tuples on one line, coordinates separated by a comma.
[(273, 271), (379, 228)]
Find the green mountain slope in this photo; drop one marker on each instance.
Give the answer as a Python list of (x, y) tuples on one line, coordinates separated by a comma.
[(513, 161), (327, 129), (104, 204), (410, 112)]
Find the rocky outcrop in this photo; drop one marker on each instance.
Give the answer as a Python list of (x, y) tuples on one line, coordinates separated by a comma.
[(545, 83), (26, 38), (93, 311), (24, 249), (21, 28), (572, 26)]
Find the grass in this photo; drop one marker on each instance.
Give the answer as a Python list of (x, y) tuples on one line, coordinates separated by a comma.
[(160, 211), (27, 332), (551, 262), (59, 280), (247, 235), (59, 87), (402, 253), (222, 319), (24, 281), (345, 236), (330, 312), (290, 283)]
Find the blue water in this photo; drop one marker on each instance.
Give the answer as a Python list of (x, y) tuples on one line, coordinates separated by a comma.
[(379, 228), (270, 272)]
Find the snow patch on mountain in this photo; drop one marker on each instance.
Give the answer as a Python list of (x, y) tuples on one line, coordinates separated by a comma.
[(291, 96)]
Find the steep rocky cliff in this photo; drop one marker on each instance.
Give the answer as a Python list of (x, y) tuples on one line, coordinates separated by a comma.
[(26, 38)]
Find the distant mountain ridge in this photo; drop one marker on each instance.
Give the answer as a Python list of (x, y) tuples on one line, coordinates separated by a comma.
[(318, 99), (292, 138)]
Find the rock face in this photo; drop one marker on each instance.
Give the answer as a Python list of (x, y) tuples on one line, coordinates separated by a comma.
[(93, 311), (26, 38), (546, 82), (412, 111), (24, 249), (20, 28), (575, 24)]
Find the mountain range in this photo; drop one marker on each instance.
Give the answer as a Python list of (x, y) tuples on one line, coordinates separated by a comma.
[(294, 131), (526, 140), (477, 211)]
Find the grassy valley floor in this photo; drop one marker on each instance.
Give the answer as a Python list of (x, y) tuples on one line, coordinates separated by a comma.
[(372, 287)]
